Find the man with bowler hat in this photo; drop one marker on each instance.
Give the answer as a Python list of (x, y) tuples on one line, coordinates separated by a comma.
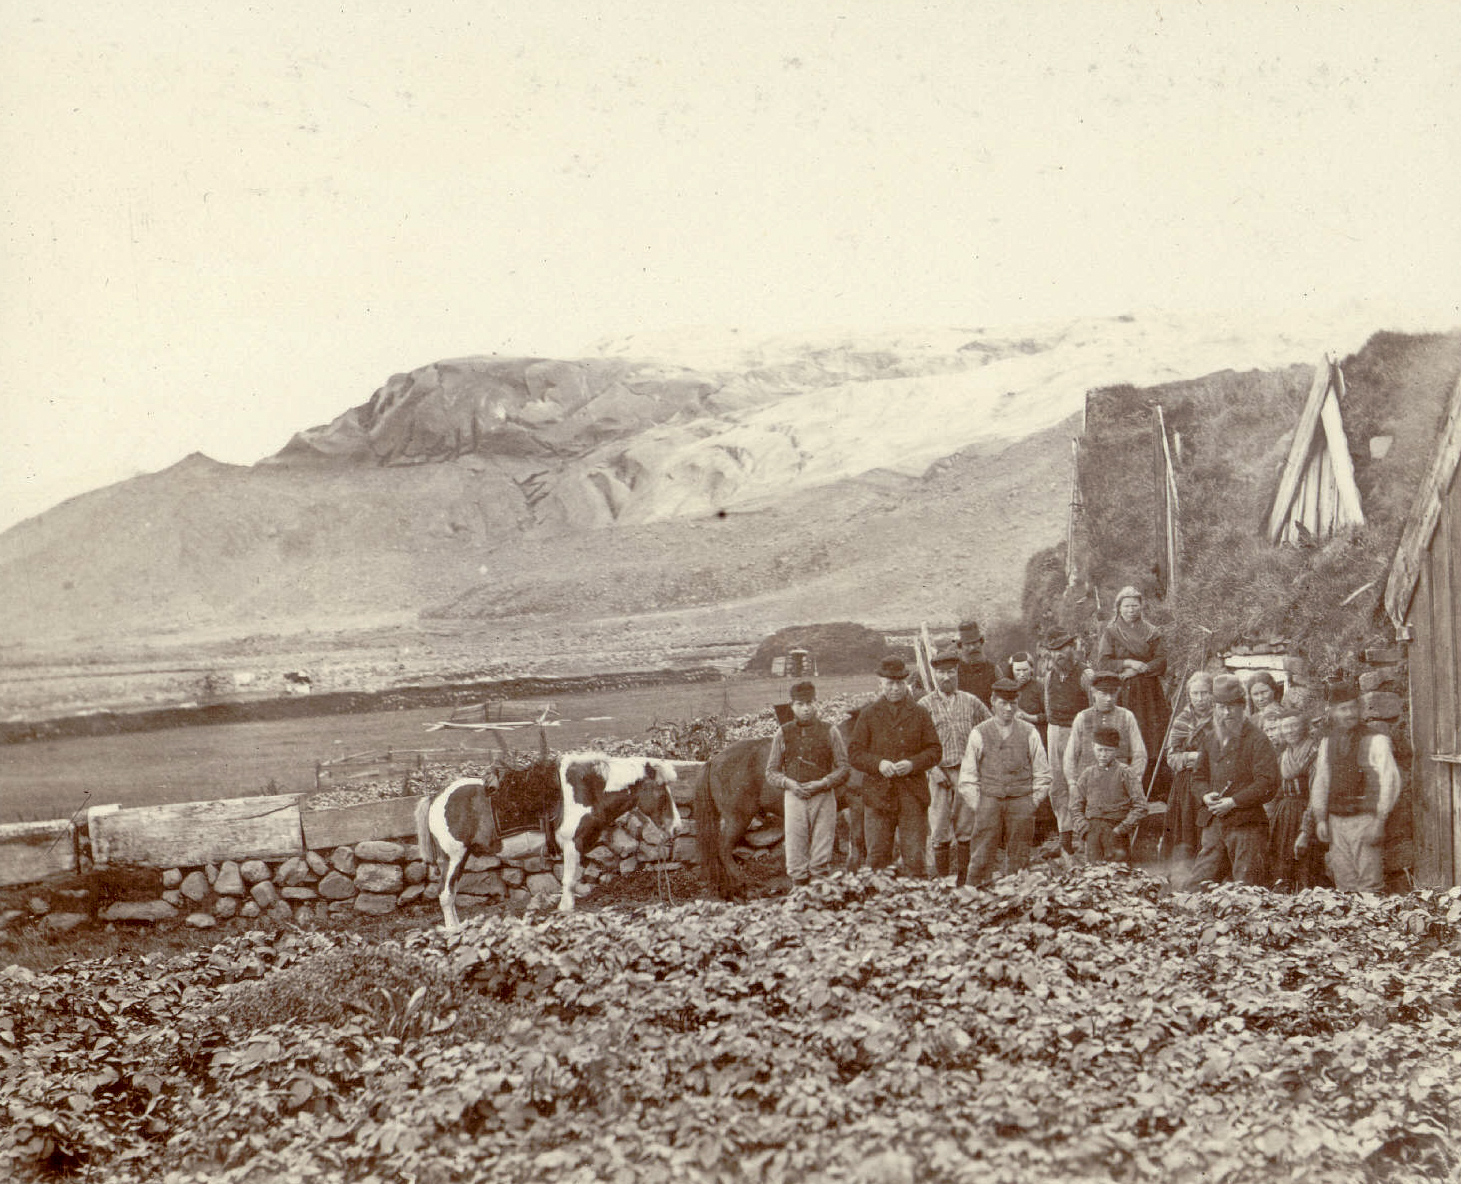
[(955, 713), (976, 672), (1236, 773), (1005, 775), (1354, 786), (893, 744)]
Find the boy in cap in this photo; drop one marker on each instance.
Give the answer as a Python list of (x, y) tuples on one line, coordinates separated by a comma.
[(894, 743), (954, 713), (977, 673), (808, 761), (1354, 786), (1080, 750), (1106, 802), (1066, 696), (1005, 775), (1236, 773)]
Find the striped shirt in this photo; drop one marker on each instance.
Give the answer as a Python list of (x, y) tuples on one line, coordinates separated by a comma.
[(954, 717)]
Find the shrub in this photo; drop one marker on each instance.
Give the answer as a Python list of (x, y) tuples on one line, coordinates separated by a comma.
[(385, 988)]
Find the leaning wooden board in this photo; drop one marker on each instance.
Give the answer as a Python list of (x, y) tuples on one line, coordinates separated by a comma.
[(188, 834), (32, 851), (393, 818)]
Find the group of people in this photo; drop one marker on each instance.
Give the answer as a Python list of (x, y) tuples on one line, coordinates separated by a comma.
[(1253, 790), (1264, 793)]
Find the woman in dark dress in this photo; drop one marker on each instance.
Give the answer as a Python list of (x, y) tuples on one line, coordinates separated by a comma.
[(1132, 648), (1181, 836)]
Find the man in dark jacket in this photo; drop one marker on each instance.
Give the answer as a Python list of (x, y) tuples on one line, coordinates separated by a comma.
[(976, 672), (1237, 771), (894, 743)]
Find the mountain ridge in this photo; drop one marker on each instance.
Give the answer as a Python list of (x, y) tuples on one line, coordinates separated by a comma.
[(874, 477)]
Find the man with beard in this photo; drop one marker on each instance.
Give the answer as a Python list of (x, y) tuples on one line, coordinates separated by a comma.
[(1354, 786), (1066, 697), (894, 743), (1236, 773), (976, 672), (1005, 775), (955, 713)]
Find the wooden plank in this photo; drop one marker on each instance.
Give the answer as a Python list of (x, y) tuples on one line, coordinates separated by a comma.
[(189, 834), (1444, 599), (1423, 734), (1452, 774), (1298, 451), (1307, 503), (34, 851), (1451, 524), (1340, 464), (1328, 500), (390, 818), (1425, 512), (1431, 822)]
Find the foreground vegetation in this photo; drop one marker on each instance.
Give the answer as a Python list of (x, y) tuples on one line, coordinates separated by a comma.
[(1063, 1025)]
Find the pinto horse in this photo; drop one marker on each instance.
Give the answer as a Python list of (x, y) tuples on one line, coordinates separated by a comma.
[(733, 790), (584, 794)]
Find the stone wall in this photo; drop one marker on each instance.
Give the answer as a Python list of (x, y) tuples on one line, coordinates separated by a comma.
[(330, 884)]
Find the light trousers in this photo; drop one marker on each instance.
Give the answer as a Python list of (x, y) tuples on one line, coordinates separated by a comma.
[(1058, 737), (1354, 864), (811, 834), (949, 818)]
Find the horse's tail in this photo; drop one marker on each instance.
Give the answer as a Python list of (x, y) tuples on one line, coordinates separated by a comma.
[(707, 834), (430, 852)]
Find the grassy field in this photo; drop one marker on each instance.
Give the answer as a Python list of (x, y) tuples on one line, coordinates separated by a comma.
[(50, 779)]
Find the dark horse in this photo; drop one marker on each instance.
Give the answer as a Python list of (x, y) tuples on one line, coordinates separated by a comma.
[(732, 790)]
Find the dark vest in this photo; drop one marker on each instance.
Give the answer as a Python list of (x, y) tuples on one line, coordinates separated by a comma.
[(978, 678), (1066, 698), (806, 753), (1005, 770), (1350, 791)]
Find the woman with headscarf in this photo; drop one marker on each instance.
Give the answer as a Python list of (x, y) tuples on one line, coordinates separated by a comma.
[(1181, 836), (1262, 694), (1291, 865), (1133, 649)]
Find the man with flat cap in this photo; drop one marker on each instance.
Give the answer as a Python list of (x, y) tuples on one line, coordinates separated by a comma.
[(1066, 696), (808, 761), (893, 744), (1004, 777), (1236, 773), (1354, 786), (955, 713), (976, 672)]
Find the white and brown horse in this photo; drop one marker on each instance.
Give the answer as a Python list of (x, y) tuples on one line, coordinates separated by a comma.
[(589, 793)]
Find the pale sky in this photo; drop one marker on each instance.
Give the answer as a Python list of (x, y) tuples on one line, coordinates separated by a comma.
[(224, 222)]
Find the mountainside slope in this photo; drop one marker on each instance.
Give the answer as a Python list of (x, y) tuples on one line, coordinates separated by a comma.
[(878, 478)]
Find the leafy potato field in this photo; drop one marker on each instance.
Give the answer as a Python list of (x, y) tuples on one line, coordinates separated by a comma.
[(1063, 1025)]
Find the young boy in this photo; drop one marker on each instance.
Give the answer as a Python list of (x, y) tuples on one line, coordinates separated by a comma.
[(1107, 803), (808, 761)]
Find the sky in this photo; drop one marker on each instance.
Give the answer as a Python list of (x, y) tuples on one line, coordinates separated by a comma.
[(223, 222)]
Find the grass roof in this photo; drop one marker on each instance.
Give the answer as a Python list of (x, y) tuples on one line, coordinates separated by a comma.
[(1235, 430)]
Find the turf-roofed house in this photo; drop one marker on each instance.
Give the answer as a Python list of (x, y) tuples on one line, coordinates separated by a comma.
[(1304, 521)]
